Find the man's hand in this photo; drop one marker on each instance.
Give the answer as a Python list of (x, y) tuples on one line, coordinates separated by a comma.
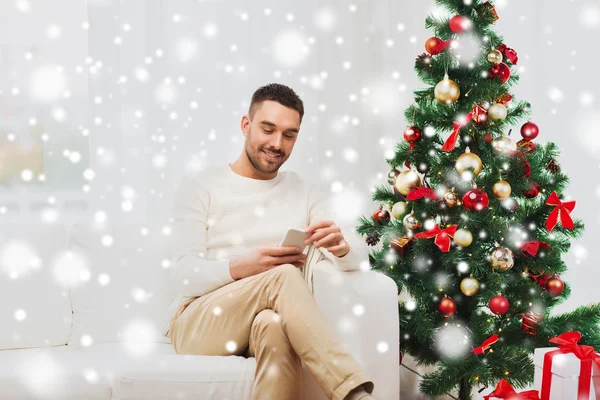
[(263, 259), (328, 235)]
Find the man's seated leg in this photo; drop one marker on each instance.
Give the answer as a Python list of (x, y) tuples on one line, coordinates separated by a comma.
[(278, 372)]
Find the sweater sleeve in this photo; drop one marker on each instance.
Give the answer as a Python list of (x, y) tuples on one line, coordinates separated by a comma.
[(321, 208), (191, 273)]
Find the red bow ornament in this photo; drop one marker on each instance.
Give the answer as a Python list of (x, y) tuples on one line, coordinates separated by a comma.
[(442, 236), (487, 343), (478, 114), (442, 45), (568, 345), (505, 391), (532, 248), (420, 193), (562, 209)]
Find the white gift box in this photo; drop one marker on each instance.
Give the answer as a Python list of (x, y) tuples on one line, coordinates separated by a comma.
[(565, 375)]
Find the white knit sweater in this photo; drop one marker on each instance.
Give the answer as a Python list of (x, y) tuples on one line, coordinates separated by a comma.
[(219, 214)]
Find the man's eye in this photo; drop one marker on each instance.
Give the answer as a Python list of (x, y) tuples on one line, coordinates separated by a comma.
[(289, 136), (268, 131)]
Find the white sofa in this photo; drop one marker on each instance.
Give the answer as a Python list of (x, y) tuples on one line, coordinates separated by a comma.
[(83, 320)]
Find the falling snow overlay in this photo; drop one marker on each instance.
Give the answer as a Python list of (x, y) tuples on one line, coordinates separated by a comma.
[(106, 104)]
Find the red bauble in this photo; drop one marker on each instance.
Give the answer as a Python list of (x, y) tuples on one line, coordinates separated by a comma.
[(500, 71), (412, 134), (532, 191), (447, 307), (554, 286), (431, 45), (488, 138), (475, 200), (542, 279), (460, 24), (530, 131), (381, 215), (499, 305)]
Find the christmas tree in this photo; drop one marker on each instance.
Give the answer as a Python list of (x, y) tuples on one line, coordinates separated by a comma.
[(478, 220)]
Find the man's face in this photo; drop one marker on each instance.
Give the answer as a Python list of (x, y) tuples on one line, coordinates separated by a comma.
[(274, 130)]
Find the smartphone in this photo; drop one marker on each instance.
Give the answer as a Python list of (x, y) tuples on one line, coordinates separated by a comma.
[(295, 237)]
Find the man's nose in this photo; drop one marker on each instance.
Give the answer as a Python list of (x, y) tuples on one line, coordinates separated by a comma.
[(277, 143)]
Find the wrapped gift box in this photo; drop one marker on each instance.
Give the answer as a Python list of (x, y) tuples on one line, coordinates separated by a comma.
[(565, 375)]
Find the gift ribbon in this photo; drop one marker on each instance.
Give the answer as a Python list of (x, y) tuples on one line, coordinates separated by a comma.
[(505, 391), (442, 236), (487, 343), (562, 209), (421, 192), (567, 344), (531, 248)]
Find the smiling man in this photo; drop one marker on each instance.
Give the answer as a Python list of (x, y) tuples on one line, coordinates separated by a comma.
[(241, 293)]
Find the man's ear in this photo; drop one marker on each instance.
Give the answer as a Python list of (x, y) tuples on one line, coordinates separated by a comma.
[(245, 124)]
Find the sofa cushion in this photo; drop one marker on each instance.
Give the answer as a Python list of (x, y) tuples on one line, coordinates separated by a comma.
[(188, 377), (35, 306), (127, 294), (51, 373)]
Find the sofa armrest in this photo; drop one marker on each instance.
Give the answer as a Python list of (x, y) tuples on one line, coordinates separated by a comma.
[(362, 307)]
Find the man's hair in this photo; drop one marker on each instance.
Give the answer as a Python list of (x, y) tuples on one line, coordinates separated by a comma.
[(279, 93)]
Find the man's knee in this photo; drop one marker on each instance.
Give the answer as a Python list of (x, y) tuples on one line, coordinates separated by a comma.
[(286, 270), (267, 317)]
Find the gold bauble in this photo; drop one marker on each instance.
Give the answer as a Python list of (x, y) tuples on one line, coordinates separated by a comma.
[(469, 286), (392, 176), (504, 144), (497, 112), (399, 209), (501, 190), (502, 258), (463, 238), (446, 91), (495, 57), (411, 222), (407, 180), (469, 160), (450, 198)]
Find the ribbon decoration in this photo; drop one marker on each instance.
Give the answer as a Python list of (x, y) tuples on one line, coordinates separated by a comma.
[(478, 113), (562, 209), (443, 45), (509, 53), (442, 236), (487, 343), (420, 193), (568, 345), (505, 391), (531, 248), (526, 165)]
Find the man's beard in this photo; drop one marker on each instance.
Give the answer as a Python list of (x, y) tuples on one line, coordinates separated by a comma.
[(258, 160)]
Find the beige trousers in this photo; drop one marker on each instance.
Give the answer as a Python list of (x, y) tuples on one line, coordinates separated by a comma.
[(273, 317)]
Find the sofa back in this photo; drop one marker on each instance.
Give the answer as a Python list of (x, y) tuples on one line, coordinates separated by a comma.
[(125, 295), (35, 309)]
